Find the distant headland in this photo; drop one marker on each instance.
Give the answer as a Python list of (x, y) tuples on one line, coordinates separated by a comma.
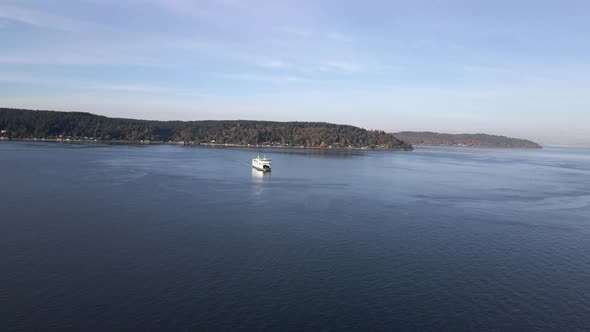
[(472, 140), (77, 126)]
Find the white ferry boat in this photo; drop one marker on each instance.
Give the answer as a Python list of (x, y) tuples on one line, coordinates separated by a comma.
[(261, 164)]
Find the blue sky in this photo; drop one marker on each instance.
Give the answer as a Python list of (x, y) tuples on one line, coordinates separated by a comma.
[(517, 68)]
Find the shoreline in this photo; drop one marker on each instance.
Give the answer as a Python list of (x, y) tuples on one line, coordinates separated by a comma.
[(247, 146), (181, 143), (458, 147)]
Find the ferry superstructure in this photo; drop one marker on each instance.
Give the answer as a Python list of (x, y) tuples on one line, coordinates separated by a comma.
[(261, 163)]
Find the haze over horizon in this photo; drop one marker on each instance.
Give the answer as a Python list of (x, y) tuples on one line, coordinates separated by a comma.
[(498, 67)]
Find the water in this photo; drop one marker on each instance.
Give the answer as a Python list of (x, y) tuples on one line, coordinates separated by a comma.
[(108, 238)]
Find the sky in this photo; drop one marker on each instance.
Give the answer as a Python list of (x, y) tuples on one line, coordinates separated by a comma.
[(515, 68)]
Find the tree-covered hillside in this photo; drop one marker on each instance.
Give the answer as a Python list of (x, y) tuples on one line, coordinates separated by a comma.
[(480, 140), (19, 123)]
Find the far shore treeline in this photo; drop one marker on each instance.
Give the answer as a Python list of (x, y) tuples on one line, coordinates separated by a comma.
[(474, 140), (32, 124)]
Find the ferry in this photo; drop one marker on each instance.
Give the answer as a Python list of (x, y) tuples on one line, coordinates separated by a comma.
[(261, 163)]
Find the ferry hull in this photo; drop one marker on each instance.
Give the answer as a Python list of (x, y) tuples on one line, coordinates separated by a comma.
[(262, 169)]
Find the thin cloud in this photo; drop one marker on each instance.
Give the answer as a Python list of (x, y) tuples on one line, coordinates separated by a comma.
[(335, 36), (275, 64), (43, 20), (282, 79), (133, 88), (141, 88), (485, 69), (300, 32), (145, 88), (341, 66), (72, 59)]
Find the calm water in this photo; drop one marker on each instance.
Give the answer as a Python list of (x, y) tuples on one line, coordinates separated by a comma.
[(107, 238)]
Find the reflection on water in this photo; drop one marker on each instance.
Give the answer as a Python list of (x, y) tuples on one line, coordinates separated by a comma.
[(259, 176)]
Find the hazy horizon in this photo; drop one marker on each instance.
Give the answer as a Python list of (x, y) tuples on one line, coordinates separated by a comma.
[(494, 67)]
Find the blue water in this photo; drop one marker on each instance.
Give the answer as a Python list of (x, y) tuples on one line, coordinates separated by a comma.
[(113, 238)]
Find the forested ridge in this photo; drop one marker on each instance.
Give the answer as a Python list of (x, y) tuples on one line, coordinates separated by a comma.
[(479, 140), (21, 123)]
